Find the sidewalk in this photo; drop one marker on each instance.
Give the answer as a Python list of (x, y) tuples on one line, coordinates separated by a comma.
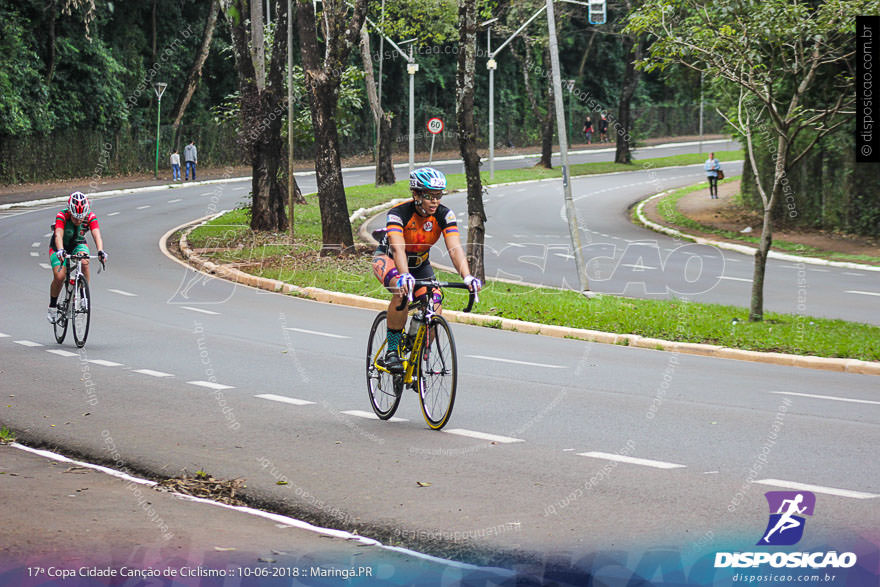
[(60, 518)]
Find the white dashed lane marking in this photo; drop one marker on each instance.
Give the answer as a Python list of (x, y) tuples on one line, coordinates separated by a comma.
[(371, 415), (862, 293), (526, 363), (191, 309), (631, 460), (483, 436), (29, 343), (174, 201), (315, 332), (817, 489), (61, 353), (284, 399), (2, 335), (112, 213), (122, 293), (35, 254), (152, 373), (735, 278), (853, 273), (45, 266), (831, 397), (104, 363), (35, 245), (210, 385), (142, 207)]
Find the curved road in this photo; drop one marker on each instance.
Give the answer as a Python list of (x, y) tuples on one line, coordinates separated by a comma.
[(557, 447)]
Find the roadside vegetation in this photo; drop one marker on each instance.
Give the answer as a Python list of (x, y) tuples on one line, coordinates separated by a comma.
[(667, 207), (228, 239)]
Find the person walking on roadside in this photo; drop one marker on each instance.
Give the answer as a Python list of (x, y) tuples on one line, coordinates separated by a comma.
[(713, 168), (588, 130), (175, 165), (603, 129), (191, 157)]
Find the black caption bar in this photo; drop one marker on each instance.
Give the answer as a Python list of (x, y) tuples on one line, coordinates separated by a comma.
[(867, 105)]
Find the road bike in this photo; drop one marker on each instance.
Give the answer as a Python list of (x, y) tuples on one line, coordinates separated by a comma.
[(74, 302), (427, 349)]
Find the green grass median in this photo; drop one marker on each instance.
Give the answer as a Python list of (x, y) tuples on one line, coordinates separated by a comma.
[(228, 239)]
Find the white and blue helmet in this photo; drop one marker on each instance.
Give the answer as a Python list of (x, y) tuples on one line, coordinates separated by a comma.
[(427, 178)]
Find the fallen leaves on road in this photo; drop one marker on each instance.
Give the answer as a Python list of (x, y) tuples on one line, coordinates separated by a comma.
[(423, 484), (205, 486)]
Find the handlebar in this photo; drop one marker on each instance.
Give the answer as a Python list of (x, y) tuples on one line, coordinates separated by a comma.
[(83, 256), (432, 284)]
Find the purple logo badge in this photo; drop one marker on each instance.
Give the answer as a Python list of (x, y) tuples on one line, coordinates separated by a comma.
[(787, 508)]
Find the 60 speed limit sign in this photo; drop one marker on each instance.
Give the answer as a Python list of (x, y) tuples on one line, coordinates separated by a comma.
[(435, 125)]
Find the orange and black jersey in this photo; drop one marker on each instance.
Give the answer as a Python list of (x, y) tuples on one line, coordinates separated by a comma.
[(419, 232)]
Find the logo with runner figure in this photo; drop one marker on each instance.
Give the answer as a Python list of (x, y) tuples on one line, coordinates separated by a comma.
[(786, 525)]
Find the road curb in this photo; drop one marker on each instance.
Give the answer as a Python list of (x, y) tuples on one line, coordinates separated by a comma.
[(744, 249), (330, 297)]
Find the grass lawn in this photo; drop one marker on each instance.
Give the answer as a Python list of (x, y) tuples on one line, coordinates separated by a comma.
[(270, 255)]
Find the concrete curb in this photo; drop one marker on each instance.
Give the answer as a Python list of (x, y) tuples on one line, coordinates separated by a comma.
[(634, 340), (744, 249)]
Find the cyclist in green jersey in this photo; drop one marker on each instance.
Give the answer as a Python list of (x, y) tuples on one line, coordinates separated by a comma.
[(69, 238)]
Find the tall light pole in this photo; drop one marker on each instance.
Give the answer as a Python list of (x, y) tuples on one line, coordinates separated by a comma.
[(159, 88), (411, 68), (491, 65), (570, 210), (291, 185)]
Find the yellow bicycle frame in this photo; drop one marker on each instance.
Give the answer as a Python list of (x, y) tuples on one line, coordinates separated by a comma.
[(410, 361)]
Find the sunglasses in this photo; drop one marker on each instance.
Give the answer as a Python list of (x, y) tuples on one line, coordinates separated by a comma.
[(429, 196)]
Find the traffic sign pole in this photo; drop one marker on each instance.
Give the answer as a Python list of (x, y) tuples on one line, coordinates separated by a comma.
[(435, 126)]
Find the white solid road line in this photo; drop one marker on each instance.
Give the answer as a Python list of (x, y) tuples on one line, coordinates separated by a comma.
[(284, 399), (210, 385), (315, 332), (191, 309), (483, 436), (61, 353), (104, 363), (122, 293), (831, 397), (29, 343), (152, 373), (817, 489), (631, 460), (370, 415), (863, 293), (527, 363)]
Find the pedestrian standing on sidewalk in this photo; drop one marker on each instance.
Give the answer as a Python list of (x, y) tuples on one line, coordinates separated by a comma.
[(191, 157), (712, 167), (603, 129), (175, 165), (588, 130)]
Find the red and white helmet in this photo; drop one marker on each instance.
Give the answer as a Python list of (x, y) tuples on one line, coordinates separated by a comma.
[(78, 205)]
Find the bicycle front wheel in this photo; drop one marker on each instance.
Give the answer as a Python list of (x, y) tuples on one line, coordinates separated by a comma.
[(82, 308), (438, 374), (384, 388), (61, 316)]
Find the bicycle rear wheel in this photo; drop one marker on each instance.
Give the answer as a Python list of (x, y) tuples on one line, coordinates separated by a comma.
[(438, 374), (60, 326), (384, 388), (82, 308)]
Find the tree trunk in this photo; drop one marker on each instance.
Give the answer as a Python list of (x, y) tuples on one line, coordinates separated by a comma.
[(50, 61), (195, 72), (547, 124), (467, 25), (623, 124), (322, 81), (384, 167)]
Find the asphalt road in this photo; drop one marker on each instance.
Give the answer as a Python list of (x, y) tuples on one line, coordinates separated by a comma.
[(187, 372)]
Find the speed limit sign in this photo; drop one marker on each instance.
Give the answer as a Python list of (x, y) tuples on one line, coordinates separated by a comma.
[(435, 125)]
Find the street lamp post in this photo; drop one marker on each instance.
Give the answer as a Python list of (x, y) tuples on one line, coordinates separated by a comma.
[(411, 68), (159, 88), (491, 65)]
